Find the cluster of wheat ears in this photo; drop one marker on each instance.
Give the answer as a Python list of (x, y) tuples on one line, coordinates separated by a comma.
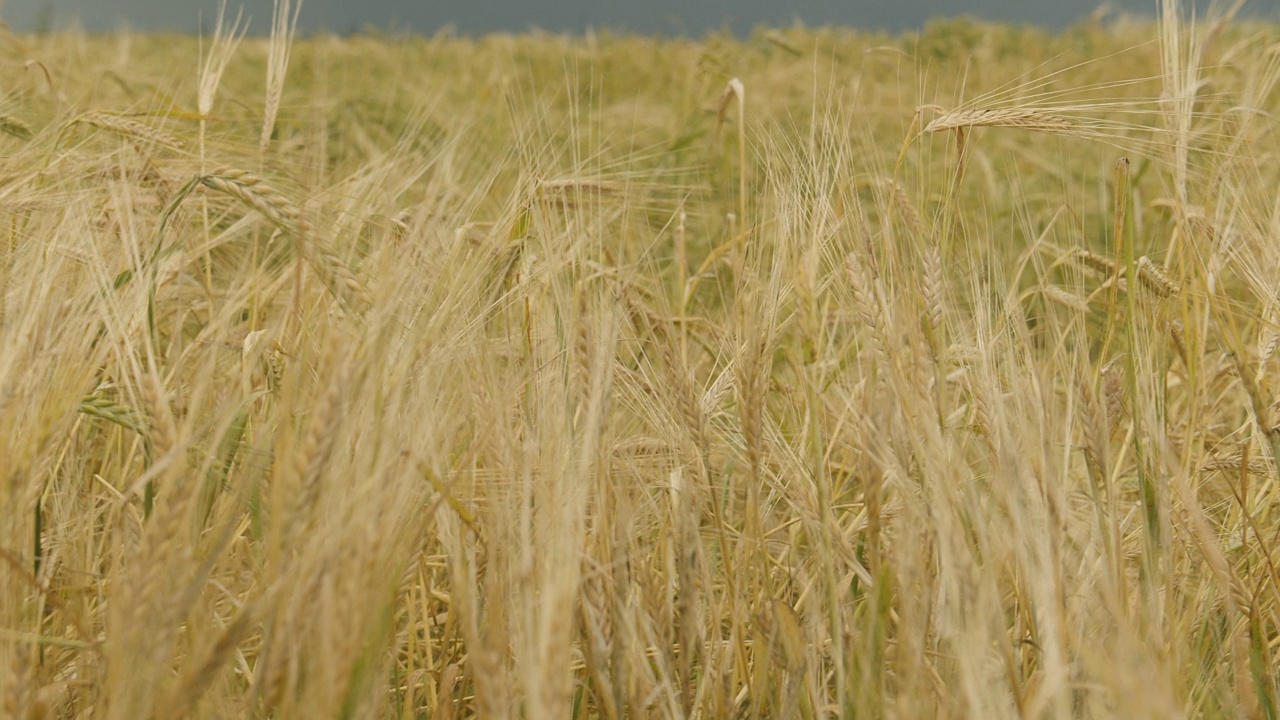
[(814, 374)]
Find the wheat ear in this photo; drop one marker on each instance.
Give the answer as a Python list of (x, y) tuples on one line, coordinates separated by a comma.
[(255, 192), (13, 126), (129, 128), (100, 406), (1028, 118)]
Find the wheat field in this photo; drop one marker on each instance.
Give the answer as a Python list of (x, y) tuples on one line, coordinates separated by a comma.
[(811, 374)]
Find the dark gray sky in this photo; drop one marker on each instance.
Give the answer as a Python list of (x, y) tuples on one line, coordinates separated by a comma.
[(642, 16)]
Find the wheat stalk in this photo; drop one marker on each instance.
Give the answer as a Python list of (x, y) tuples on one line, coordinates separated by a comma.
[(905, 209), (867, 303), (13, 126), (564, 190), (1028, 118), (221, 50), (255, 192), (689, 628), (446, 706), (128, 128), (1065, 298), (1150, 275), (163, 431), (984, 419), (100, 406), (595, 618), (283, 27), (931, 287), (148, 613), (734, 89), (752, 373), (1113, 390), (339, 278), (1267, 343), (1098, 263), (197, 680), (582, 341), (311, 456), (1231, 463), (1153, 278), (400, 225), (688, 402)]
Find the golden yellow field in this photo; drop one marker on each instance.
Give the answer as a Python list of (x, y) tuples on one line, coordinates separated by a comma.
[(814, 374)]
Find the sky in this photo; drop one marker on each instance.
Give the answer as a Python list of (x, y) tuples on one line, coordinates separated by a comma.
[(690, 17)]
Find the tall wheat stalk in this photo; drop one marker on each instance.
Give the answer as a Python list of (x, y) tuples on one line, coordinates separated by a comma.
[(284, 25)]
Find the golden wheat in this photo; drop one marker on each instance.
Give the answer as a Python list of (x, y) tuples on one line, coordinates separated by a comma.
[(615, 416), (13, 126), (129, 128), (1028, 118), (101, 406), (1154, 279), (255, 192)]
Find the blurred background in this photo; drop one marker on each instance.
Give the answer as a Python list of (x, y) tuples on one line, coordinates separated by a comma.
[(661, 17)]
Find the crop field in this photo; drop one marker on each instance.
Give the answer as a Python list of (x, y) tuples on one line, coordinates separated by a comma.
[(810, 374)]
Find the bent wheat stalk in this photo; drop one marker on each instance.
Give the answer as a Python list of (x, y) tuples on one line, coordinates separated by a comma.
[(961, 121), (255, 192), (10, 125)]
